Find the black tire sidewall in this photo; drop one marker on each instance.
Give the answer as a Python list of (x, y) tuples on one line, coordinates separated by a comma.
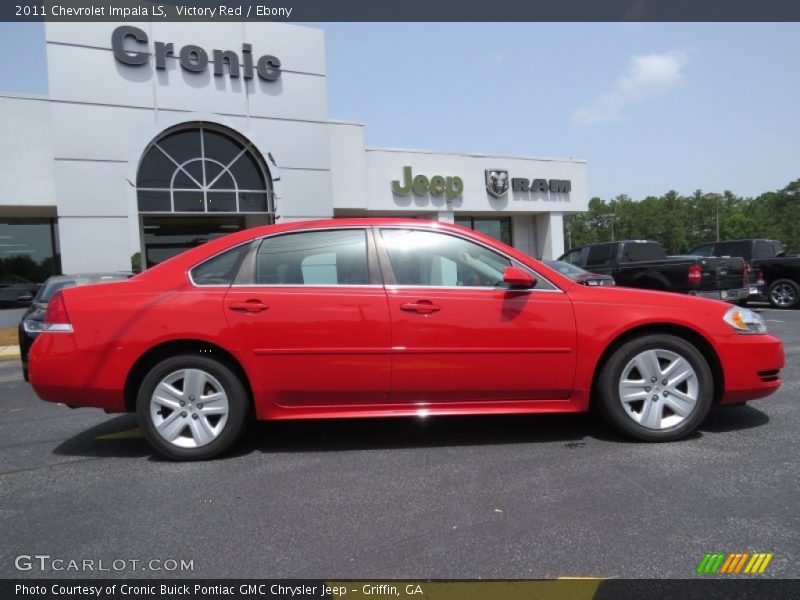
[(608, 387), (238, 404), (779, 282)]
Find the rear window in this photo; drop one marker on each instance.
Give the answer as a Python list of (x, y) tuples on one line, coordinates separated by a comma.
[(637, 252), (730, 249)]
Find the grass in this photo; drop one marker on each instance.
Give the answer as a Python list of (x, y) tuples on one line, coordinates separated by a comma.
[(8, 337)]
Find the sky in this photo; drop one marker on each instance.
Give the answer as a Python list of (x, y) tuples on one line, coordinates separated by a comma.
[(651, 107)]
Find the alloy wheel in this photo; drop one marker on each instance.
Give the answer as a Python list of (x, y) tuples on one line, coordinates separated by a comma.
[(189, 408), (783, 295), (658, 389)]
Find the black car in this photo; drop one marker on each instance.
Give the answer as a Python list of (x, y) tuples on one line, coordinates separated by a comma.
[(15, 296), (579, 275), (31, 323)]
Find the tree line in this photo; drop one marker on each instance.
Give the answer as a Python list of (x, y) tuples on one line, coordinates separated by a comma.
[(682, 223)]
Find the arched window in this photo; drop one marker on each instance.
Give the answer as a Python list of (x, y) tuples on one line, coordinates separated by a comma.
[(203, 169)]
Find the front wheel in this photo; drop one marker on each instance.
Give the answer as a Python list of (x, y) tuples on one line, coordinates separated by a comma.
[(783, 293), (191, 407), (655, 388)]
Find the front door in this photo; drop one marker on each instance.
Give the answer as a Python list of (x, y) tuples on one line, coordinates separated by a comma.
[(314, 319), (459, 335)]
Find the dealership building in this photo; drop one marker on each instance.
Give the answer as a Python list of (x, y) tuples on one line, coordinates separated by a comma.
[(156, 137)]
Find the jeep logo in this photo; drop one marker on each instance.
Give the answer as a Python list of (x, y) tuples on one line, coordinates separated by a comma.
[(420, 185)]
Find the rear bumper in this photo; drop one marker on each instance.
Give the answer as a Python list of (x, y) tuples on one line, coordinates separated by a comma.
[(725, 295), (751, 367), (60, 372)]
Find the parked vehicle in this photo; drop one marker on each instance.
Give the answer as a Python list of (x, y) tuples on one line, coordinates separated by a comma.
[(16, 296), (387, 317), (779, 274), (30, 326), (644, 264), (579, 275)]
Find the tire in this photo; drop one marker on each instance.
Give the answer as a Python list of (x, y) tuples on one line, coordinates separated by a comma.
[(679, 407), (194, 430), (783, 293)]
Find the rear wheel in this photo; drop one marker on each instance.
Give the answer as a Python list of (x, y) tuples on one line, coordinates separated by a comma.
[(783, 293), (655, 388), (192, 407)]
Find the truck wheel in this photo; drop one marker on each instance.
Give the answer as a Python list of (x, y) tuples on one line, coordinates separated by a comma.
[(783, 293), (192, 407), (655, 388)]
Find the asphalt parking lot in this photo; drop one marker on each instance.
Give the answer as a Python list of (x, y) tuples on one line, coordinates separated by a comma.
[(499, 497)]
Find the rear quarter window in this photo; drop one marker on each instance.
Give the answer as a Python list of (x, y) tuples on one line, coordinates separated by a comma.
[(220, 269)]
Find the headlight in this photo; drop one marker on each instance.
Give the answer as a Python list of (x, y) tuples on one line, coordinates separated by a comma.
[(32, 325), (744, 320)]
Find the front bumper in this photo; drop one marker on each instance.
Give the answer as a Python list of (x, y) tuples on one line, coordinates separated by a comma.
[(751, 366)]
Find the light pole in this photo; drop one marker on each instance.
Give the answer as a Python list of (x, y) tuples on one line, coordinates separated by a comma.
[(610, 217), (718, 198)]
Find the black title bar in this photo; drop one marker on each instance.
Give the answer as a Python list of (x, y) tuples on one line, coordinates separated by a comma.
[(405, 10)]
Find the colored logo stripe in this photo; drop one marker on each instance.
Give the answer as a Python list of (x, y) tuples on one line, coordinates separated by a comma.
[(733, 563)]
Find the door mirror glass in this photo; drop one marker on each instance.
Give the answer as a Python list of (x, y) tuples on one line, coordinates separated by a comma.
[(516, 278)]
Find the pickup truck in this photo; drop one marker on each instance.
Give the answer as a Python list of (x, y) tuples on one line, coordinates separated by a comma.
[(644, 264), (767, 258)]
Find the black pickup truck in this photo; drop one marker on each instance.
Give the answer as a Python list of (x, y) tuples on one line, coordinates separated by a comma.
[(644, 264), (767, 258)]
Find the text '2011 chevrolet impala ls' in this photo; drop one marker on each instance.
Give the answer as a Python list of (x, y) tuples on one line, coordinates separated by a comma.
[(388, 317)]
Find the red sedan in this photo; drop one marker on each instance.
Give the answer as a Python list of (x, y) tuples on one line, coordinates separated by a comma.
[(388, 317)]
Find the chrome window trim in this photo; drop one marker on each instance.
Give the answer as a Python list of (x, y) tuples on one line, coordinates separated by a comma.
[(486, 246), (363, 228)]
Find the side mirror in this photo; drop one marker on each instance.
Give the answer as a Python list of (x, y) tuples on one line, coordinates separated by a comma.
[(25, 300), (516, 278)]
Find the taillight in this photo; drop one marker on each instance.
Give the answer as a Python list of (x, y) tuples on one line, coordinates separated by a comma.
[(56, 317), (695, 274)]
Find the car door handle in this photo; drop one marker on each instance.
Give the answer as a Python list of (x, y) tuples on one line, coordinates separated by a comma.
[(423, 307), (251, 306)]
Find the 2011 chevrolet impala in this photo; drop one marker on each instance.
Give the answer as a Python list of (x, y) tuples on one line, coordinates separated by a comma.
[(388, 317)]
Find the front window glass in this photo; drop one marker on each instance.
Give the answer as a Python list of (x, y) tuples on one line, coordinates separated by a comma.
[(429, 259), (313, 258), (707, 250)]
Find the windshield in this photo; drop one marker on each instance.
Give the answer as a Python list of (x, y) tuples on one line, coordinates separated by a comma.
[(54, 284)]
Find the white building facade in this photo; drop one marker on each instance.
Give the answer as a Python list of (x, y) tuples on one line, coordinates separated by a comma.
[(156, 137)]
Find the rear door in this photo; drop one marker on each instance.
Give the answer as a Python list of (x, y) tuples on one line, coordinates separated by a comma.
[(310, 309), (458, 334)]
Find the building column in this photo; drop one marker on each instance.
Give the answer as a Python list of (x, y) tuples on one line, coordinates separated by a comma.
[(549, 235), (445, 216)]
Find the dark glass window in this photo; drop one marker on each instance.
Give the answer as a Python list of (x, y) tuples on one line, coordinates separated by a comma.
[(27, 253), (707, 250), (166, 236), (497, 227), (573, 257), (763, 250), (600, 255), (202, 170), (642, 251), (221, 269), (313, 258)]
